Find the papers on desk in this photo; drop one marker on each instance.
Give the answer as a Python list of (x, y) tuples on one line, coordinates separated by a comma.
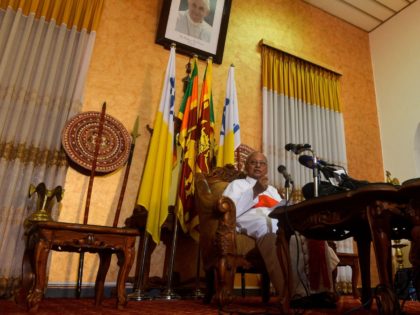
[(337, 177)]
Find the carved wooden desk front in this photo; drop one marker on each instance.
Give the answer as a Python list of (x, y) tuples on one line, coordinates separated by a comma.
[(45, 236), (336, 217)]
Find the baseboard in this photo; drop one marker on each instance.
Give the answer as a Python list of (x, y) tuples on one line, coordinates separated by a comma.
[(68, 290), (248, 291)]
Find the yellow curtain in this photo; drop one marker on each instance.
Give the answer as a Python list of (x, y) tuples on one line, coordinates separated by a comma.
[(45, 49)]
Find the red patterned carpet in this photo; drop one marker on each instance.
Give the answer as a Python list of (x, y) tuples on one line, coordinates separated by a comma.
[(248, 305)]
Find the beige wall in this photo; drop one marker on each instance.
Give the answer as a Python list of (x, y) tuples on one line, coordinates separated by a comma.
[(127, 70), (395, 49)]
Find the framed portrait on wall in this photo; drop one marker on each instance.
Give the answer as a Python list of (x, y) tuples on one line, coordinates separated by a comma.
[(195, 26)]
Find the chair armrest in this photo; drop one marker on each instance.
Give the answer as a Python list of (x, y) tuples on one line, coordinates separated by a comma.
[(217, 215), (225, 241)]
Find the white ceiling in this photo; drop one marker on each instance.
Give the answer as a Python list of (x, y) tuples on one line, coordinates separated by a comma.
[(365, 14)]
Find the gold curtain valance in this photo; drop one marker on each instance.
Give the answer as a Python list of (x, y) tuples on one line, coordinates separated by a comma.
[(269, 44), (83, 14), (299, 79)]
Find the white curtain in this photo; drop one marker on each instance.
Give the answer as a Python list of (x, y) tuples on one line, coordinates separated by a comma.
[(45, 50), (301, 106)]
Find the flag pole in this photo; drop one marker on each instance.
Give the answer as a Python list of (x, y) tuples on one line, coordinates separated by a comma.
[(138, 293), (198, 294), (169, 293)]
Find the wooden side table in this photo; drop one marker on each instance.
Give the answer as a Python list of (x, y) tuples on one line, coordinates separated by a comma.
[(351, 260), (42, 237)]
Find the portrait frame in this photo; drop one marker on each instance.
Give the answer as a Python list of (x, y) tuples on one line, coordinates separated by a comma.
[(213, 45)]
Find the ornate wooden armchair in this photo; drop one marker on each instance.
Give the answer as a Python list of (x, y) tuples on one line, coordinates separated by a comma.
[(224, 251)]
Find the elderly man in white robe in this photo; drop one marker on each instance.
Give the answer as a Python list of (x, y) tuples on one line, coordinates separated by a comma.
[(191, 22), (254, 198)]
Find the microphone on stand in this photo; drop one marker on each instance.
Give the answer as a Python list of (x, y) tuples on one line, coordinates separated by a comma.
[(327, 169), (308, 161), (288, 180), (297, 148), (282, 170)]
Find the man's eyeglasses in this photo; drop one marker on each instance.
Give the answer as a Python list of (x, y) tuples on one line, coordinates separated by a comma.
[(255, 163)]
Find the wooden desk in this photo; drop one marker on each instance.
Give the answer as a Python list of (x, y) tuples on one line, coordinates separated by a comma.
[(45, 236), (337, 217)]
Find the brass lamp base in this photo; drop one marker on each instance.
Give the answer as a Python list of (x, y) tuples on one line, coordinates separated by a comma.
[(40, 215)]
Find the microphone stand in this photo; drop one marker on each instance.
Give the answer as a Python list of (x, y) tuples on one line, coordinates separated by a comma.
[(287, 189), (315, 175)]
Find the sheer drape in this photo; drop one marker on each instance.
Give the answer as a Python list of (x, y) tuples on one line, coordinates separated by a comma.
[(45, 49), (301, 105)]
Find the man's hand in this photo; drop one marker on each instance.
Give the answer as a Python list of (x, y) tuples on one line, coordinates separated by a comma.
[(260, 186)]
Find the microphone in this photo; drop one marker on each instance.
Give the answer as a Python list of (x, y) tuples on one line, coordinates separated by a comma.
[(282, 170), (308, 161), (297, 148)]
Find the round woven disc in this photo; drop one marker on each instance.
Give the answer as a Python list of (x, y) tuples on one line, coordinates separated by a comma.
[(79, 139)]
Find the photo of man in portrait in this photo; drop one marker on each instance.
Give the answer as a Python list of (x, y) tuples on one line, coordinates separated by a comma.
[(195, 19)]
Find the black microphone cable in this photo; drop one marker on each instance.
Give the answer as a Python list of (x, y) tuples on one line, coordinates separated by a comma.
[(282, 169)]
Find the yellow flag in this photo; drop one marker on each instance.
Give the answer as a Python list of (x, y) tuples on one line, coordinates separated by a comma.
[(157, 175)]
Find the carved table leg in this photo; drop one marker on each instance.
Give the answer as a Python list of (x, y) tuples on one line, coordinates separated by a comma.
[(28, 277), (41, 252), (363, 248), (379, 218), (125, 262), (380, 227), (104, 262)]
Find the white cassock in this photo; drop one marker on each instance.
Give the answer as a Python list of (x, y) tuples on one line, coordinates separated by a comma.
[(185, 25), (252, 219)]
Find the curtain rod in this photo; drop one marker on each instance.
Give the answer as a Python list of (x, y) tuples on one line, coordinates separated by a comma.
[(310, 60)]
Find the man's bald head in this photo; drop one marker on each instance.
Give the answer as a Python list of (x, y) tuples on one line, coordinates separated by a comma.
[(256, 165)]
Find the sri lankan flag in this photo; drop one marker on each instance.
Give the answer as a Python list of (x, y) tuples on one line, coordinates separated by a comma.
[(157, 174), (205, 125), (188, 141)]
